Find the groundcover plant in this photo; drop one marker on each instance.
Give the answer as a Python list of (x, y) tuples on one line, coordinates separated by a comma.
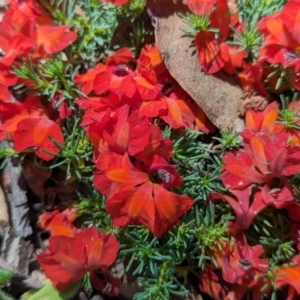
[(153, 185)]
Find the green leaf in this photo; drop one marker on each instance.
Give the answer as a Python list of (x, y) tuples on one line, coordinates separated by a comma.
[(48, 292), (4, 296), (5, 275)]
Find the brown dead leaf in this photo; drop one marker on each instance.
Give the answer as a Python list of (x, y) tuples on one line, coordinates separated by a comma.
[(62, 193), (219, 96), (14, 188), (35, 176), (4, 217), (254, 102)]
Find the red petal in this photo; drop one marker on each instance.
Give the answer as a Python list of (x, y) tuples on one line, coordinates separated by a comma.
[(64, 261), (239, 171), (212, 53), (35, 132), (201, 6), (110, 250), (290, 15), (220, 18), (147, 89), (258, 153), (115, 2), (166, 203), (57, 224), (52, 39)]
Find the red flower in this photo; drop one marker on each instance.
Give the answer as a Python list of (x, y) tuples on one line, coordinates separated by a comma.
[(53, 39), (24, 30), (11, 113), (289, 275), (36, 132), (28, 125), (236, 60), (237, 292), (99, 109), (210, 283), (67, 259), (115, 2), (294, 211), (6, 80), (244, 211), (26, 9), (59, 223), (157, 145), (60, 112), (242, 263), (201, 6), (146, 79), (221, 19), (183, 112), (262, 121), (263, 160), (267, 160), (157, 64), (120, 78), (213, 53), (262, 289), (17, 45), (239, 171), (87, 79), (277, 193), (127, 132), (282, 41), (251, 79), (133, 197)]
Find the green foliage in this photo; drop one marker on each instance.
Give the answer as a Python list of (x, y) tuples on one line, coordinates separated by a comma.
[(163, 265), (94, 22), (295, 182), (283, 78), (137, 37), (251, 11), (187, 144), (5, 275), (49, 78), (99, 24), (212, 226), (248, 40), (198, 184), (5, 154), (199, 166), (196, 23), (273, 231), (48, 292), (92, 206), (230, 140), (289, 118), (4, 296), (76, 154), (132, 10)]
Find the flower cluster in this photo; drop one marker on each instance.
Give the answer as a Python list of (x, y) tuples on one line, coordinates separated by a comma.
[(257, 177), (73, 253), (28, 33), (155, 183), (254, 49), (125, 97)]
